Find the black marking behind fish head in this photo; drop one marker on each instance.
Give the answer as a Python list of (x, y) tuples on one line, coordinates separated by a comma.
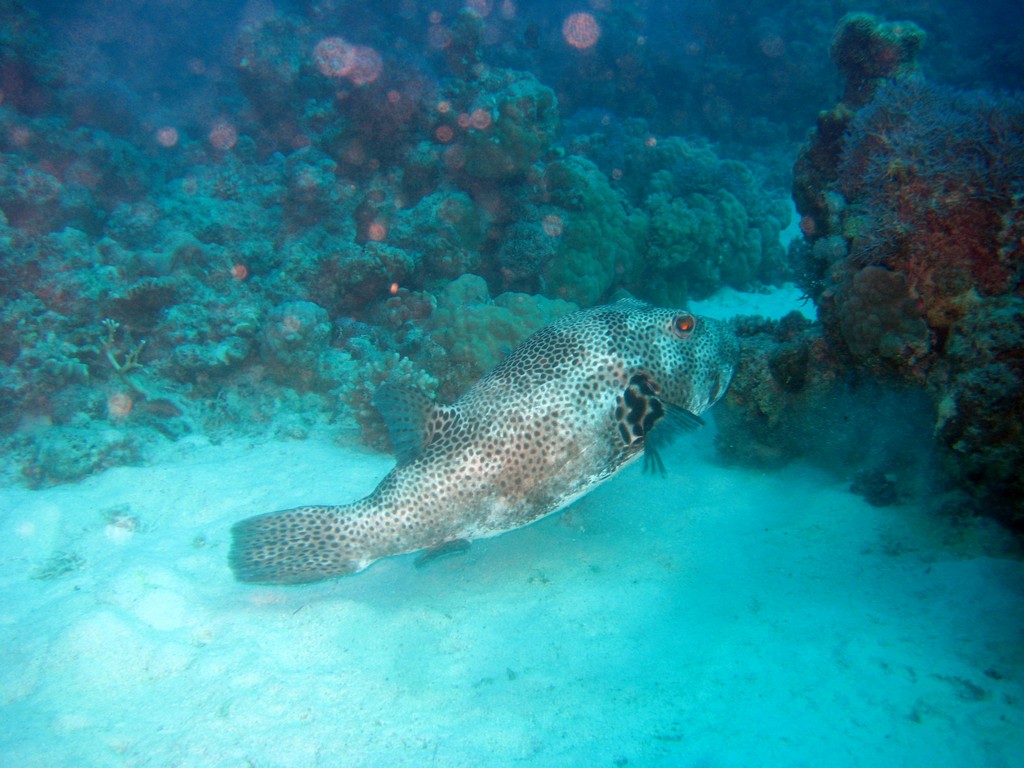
[(638, 409), (685, 361)]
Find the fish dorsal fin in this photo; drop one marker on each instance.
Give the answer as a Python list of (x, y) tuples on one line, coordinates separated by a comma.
[(412, 418), (640, 410), (631, 302)]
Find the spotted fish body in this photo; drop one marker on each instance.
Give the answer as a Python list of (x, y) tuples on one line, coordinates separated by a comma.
[(565, 411)]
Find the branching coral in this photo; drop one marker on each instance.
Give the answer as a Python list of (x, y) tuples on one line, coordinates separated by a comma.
[(929, 173), (111, 350)]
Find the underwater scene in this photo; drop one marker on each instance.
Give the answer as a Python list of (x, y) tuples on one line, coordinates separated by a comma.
[(470, 383)]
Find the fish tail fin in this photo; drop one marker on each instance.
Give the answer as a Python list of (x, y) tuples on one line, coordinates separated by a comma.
[(294, 546)]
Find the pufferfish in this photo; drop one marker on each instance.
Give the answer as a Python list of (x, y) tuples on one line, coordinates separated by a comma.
[(565, 411)]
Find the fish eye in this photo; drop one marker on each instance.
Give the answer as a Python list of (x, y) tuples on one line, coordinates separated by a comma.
[(683, 324)]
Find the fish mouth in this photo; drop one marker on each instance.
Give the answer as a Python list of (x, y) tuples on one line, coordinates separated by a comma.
[(721, 377), (716, 389)]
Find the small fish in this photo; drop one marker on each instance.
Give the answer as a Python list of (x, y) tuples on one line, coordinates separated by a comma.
[(567, 409)]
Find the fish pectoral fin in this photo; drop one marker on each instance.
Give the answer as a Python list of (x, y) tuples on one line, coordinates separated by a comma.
[(652, 459), (677, 420), (444, 549), (680, 420), (644, 419), (639, 410), (412, 418)]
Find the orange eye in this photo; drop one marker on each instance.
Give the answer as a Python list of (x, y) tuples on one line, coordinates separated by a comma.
[(684, 324)]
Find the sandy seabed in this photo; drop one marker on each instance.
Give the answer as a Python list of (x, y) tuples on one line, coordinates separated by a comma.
[(716, 617)]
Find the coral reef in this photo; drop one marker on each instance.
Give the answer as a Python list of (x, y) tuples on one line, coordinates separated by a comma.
[(874, 315), (295, 334), (923, 165), (66, 454), (791, 397), (249, 239), (443, 234), (981, 406), (868, 52), (912, 204), (784, 385), (256, 243)]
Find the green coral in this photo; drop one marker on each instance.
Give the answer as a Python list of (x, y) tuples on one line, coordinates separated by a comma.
[(64, 454), (867, 51), (697, 242), (710, 224), (443, 231), (476, 333), (513, 120), (697, 221), (598, 237)]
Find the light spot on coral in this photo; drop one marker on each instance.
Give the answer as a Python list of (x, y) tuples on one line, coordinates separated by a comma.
[(334, 57), (223, 135), (119, 405), (167, 136), (552, 225), (581, 30)]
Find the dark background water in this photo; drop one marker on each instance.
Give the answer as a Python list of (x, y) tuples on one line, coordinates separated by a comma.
[(732, 70)]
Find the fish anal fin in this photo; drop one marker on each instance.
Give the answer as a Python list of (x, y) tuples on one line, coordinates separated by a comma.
[(444, 549)]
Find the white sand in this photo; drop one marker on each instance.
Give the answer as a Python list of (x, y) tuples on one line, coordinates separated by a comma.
[(719, 617), (728, 302)]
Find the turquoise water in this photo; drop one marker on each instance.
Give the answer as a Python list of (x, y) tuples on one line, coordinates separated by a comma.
[(224, 225)]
